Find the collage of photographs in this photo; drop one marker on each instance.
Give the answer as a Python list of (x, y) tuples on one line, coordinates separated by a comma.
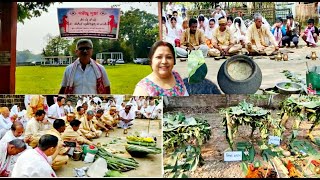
[(160, 89)]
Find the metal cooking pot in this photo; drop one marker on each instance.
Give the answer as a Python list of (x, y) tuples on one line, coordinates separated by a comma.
[(76, 156), (230, 85)]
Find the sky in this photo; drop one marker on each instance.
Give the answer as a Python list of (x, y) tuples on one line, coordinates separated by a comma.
[(32, 35)]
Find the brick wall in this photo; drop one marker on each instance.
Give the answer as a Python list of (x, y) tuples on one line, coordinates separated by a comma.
[(210, 103), (10, 100)]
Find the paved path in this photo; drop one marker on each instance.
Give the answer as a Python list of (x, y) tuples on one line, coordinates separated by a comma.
[(271, 69)]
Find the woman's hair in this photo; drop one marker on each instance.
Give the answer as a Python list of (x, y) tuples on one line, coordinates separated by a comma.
[(230, 18), (164, 19), (201, 18), (222, 17), (237, 20), (173, 18), (157, 44), (212, 20)]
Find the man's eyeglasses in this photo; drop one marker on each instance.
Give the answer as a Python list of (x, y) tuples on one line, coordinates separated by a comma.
[(84, 48)]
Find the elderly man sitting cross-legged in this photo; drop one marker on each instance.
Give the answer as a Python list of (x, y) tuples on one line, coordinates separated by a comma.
[(87, 126), (258, 37)]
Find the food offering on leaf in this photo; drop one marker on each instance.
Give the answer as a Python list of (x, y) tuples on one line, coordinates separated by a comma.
[(260, 172), (141, 146), (293, 171)]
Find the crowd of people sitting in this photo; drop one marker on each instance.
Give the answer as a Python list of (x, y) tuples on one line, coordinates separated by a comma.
[(32, 141), (223, 34)]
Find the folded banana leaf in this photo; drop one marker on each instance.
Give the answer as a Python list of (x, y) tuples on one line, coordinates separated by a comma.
[(304, 146), (197, 69)]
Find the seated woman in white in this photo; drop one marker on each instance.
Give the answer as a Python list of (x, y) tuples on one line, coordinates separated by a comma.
[(174, 32), (239, 30), (202, 23)]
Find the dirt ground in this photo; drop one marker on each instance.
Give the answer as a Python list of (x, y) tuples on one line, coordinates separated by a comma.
[(213, 150), (271, 69), (150, 166)]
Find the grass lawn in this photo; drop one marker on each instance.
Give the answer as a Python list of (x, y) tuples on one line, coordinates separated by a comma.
[(47, 80)]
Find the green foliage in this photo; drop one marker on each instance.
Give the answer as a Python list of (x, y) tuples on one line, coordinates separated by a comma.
[(182, 160), (248, 114), (28, 10), (57, 46), (138, 29)]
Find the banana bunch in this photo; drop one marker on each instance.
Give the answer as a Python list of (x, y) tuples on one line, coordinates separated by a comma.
[(140, 139)]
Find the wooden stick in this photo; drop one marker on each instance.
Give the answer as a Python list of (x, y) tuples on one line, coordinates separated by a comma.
[(149, 126), (267, 169)]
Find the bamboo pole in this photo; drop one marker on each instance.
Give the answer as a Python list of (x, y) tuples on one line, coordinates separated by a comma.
[(160, 19)]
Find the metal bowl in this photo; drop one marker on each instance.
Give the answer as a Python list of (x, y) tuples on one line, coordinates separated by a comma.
[(289, 88)]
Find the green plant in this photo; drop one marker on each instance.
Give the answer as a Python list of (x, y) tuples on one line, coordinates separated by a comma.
[(182, 160), (179, 130), (248, 114), (301, 108), (183, 138)]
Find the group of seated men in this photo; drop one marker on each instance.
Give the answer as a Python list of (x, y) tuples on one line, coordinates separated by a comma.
[(228, 36), (79, 125)]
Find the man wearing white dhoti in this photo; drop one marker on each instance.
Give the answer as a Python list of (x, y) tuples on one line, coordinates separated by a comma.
[(258, 37), (8, 152), (126, 117)]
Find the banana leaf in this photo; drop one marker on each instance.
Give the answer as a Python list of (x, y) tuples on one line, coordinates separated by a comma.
[(195, 61), (244, 168), (199, 75), (302, 145)]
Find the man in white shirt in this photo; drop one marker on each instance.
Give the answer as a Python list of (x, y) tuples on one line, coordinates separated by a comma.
[(37, 162), (36, 127), (68, 108), (5, 121), (84, 75), (16, 132), (126, 117), (8, 158), (56, 111)]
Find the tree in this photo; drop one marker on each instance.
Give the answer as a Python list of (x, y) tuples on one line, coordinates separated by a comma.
[(56, 46), (28, 10), (135, 26)]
